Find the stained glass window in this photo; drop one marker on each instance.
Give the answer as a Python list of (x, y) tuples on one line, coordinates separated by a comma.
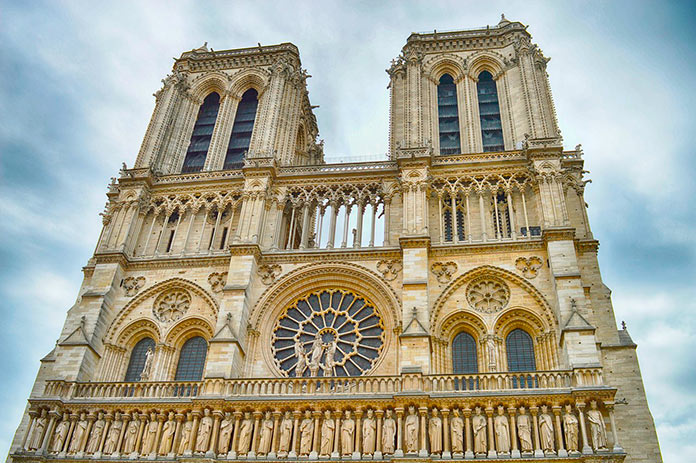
[(464, 354), (192, 360), (520, 351), (202, 133), (489, 112), (137, 359), (448, 115), (240, 138)]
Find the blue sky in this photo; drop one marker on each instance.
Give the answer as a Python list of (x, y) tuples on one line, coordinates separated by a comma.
[(76, 84)]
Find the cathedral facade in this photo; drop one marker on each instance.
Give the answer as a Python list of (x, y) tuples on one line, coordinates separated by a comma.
[(247, 300)]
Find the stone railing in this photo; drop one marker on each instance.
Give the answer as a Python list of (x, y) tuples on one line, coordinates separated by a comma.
[(338, 386)]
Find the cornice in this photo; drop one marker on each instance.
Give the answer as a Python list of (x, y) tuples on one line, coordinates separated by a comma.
[(558, 234), (410, 242), (326, 255), (447, 250)]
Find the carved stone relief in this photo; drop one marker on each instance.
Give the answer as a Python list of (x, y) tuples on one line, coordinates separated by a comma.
[(389, 269), (529, 268), (444, 271), (171, 305), (133, 284), (488, 295), (217, 281), (269, 272)]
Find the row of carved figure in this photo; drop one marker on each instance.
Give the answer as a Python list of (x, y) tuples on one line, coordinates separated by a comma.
[(315, 434)]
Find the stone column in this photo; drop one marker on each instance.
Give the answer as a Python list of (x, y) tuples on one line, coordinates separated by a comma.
[(535, 424), (586, 448), (255, 434), (276, 434), (332, 224), (141, 431), (179, 418), (32, 417), (468, 451), (491, 434), (53, 417), (314, 454), (346, 220), (212, 448), (357, 242), (109, 418), (295, 428), (68, 436), (232, 454), (446, 431), (422, 412), (559, 432), (337, 436), (515, 452), (482, 215), (378, 438), (194, 431), (387, 231), (615, 432), (358, 435), (399, 452), (91, 418), (305, 226), (125, 418)]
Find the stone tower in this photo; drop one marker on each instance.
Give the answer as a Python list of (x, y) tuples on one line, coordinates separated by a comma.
[(248, 300)]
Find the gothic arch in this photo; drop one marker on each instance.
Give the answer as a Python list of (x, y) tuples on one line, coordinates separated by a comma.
[(187, 328), (520, 317), (486, 61), (461, 321), (249, 78), (209, 82), (137, 330), (116, 327), (437, 313), (445, 64), (315, 277)]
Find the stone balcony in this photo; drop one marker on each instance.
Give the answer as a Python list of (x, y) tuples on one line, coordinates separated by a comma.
[(192, 409)]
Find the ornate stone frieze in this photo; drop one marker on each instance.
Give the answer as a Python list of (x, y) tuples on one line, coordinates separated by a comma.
[(488, 294), (443, 271), (171, 305), (269, 272), (133, 284), (529, 267), (389, 268), (217, 281)]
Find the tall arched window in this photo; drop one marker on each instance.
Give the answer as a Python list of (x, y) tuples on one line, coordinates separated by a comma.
[(192, 360), (448, 115), (489, 111), (464, 358), (137, 359), (520, 351), (202, 133), (241, 130)]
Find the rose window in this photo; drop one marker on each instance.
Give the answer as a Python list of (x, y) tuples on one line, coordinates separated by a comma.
[(328, 333), (171, 306), (488, 296)]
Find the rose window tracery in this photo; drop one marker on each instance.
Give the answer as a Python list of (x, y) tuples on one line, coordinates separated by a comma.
[(328, 333), (488, 295), (172, 305)]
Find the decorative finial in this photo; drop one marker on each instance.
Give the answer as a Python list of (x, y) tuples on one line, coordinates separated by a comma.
[(502, 17), (573, 304), (623, 325)]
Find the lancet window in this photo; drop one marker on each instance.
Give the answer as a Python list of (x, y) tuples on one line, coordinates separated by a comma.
[(453, 219), (202, 134), (192, 360), (520, 351), (448, 116), (501, 216), (240, 138), (489, 112), (137, 359), (464, 358)]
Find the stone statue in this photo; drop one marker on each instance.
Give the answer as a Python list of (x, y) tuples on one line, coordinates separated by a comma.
[(369, 433), (478, 422), (245, 431), (524, 431), (457, 428), (113, 435), (329, 359), (317, 351), (38, 431), (347, 434), (301, 355), (149, 444), (328, 427), (167, 438), (306, 432), (598, 429), (266, 434), (205, 428), (226, 427), (185, 435), (285, 434), (59, 434), (388, 433), (96, 434), (435, 433), (546, 430), (502, 431), (570, 428), (411, 431), (78, 434), (131, 435), (492, 353), (147, 368)]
